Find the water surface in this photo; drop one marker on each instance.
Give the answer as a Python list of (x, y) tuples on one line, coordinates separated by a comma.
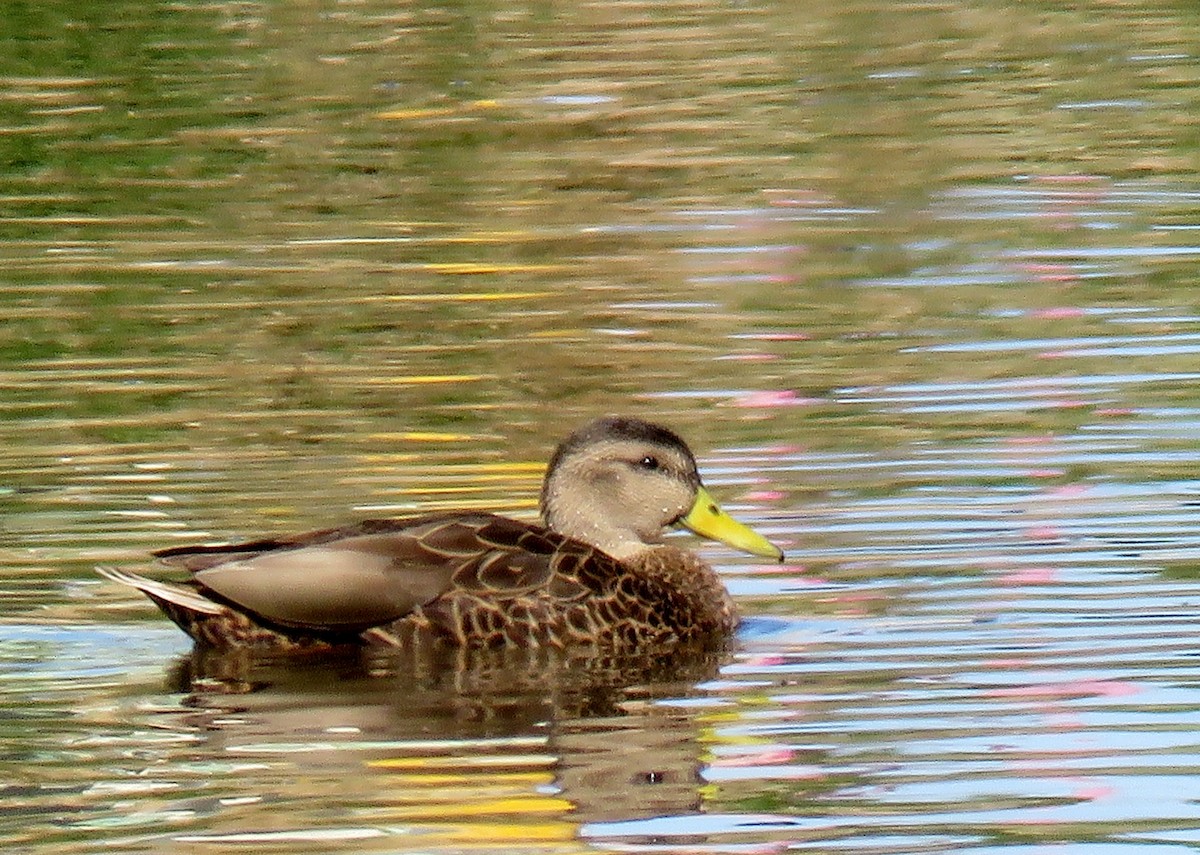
[(915, 280)]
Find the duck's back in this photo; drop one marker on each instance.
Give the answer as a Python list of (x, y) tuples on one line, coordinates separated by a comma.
[(465, 579)]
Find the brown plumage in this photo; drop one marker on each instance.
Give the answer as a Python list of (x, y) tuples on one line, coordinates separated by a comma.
[(594, 573)]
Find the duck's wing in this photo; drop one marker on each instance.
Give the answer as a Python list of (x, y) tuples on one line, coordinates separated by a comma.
[(375, 572)]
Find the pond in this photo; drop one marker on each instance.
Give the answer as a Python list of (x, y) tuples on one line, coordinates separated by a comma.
[(914, 279)]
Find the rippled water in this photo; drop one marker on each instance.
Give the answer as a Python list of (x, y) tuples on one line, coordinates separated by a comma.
[(916, 281)]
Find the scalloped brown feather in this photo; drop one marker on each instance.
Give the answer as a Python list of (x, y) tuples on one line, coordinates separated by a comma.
[(498, 582)]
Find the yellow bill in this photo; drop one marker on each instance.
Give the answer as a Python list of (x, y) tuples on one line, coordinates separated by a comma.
[(708, 520)]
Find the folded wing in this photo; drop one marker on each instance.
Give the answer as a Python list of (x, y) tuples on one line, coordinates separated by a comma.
[(375, 572)]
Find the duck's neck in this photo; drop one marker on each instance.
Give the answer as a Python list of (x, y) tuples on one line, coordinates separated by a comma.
[(599, 527), (623, 546)]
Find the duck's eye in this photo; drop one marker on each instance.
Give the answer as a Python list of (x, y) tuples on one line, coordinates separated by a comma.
[(649, 463)]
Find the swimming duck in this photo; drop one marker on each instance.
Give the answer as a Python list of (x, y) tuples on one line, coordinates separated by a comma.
[(595, 571)]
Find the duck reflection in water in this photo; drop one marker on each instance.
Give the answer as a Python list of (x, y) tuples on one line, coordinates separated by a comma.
[(444, 735)]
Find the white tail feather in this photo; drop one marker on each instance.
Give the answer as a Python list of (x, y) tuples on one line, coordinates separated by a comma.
[(185, 597)]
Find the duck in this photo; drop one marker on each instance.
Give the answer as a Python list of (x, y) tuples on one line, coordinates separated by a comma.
[(595, 570)]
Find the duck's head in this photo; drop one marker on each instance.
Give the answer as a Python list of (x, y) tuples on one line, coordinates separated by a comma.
[(618, 483)]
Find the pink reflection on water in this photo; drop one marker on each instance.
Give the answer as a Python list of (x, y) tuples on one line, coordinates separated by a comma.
[(1030, 576), (776, 398), (1068, 689), (764, 496)]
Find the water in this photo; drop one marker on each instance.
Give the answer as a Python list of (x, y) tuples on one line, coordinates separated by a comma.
[(915, 280)]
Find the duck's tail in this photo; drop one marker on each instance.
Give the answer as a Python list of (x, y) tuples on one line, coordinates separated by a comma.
[(214, 624), (191, 611), (162, 593)]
